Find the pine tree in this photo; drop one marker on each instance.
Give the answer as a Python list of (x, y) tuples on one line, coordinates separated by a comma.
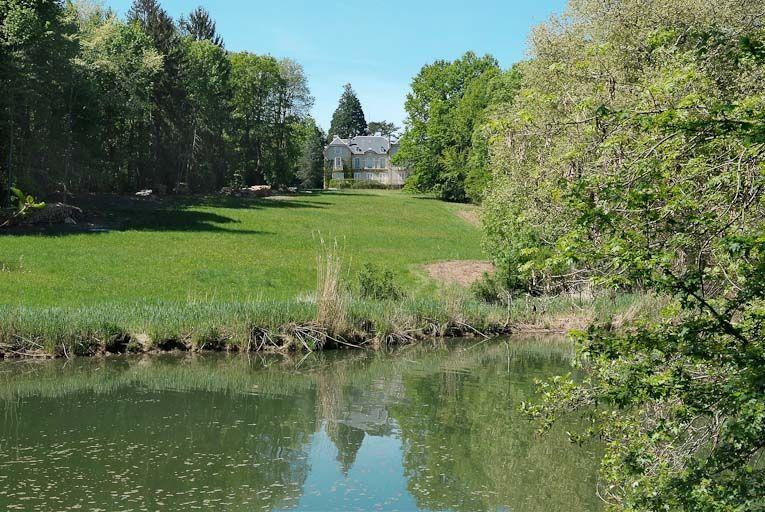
[(348, 120), (201, 27), (311, 163)]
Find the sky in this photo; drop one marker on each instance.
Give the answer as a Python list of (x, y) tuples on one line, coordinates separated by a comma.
[(377, 47)]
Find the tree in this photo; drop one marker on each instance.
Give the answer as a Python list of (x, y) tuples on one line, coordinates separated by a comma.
[(206, 79), (632, 159), (500, 95), (310, 172), (348, 119), (446, 104), (383, 128), (98, 104), (200, 26), (37, 104), (270, 99), (170, 105), (293, 103), (119, 65)]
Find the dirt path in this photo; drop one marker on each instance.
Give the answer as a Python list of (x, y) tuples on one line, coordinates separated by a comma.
[(461, 272), (470, 216)]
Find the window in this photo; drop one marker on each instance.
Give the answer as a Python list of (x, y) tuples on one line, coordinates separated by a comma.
[(338, 162), (357, 163), (370, 162), (381, 164)]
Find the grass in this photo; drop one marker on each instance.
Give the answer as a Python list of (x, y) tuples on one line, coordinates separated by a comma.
[(239, 326), (228, 250), (268, 274)]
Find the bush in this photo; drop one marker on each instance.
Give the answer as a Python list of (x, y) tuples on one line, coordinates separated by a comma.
[(378, 284), (357, 184), (368, 184), (340, 183), (497, 288), (488, 289)]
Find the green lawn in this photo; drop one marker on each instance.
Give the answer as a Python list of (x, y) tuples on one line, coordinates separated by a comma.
[(218, 249)]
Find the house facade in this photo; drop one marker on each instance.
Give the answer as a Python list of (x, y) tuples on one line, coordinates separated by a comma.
[(365, 157)]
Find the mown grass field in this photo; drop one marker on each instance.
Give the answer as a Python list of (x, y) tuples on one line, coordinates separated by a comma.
[(218, 249)]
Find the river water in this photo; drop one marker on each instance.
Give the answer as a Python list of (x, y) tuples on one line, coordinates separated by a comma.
[(427, 427)]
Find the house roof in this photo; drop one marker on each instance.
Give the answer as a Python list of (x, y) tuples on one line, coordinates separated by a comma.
[(362, 144)]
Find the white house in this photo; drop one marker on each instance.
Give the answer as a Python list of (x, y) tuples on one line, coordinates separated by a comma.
[(367, 158)]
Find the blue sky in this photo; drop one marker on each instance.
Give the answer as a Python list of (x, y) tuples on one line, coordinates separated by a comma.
[(376, 46)]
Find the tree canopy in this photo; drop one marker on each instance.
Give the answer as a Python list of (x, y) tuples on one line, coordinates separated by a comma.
[(632, 159), (200, 26), (447, 108), (100, 104), (382, 128)]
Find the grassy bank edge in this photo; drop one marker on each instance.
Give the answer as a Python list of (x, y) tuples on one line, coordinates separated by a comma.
[(298, 325)]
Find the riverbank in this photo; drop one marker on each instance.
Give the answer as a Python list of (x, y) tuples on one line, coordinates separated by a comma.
[(298, 325)]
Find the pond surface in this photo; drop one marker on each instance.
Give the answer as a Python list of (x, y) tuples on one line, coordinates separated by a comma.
[(423, 428)]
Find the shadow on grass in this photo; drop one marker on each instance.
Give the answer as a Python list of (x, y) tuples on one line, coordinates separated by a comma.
[(105, 212), (242, 203), (114, 213)]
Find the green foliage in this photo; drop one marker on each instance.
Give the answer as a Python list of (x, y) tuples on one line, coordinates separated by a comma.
[(445, 138), (489, 289), (683, 413), (632, 157), (201, 27), (310, 171), (383, 128), (348, 119), (378, 284), (357, 184), (270, 98), (100, 104), (24, 202)]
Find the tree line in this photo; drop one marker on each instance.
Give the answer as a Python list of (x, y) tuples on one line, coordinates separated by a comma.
[(95, 103)]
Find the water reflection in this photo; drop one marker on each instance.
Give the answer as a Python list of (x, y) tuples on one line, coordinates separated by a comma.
[(429, 428)]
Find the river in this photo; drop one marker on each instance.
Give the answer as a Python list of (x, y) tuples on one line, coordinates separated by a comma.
[(427, 427)]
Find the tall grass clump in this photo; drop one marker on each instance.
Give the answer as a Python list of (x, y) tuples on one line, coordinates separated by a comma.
[(331, 296)]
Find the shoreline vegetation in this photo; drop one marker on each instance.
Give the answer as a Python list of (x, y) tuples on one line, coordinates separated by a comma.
[(322, 302), (299, 325)]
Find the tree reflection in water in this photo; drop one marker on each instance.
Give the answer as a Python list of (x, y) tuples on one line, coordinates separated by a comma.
[(432, 427)]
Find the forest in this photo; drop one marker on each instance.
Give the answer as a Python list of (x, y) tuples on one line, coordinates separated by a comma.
[(95, 103)]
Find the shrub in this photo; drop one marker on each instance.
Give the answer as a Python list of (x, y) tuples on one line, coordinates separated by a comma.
[(340, 183), (488, 289), (371, 184), (357, 184), (378, 284)]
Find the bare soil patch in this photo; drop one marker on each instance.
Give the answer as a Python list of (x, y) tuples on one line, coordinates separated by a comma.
[(470, 216), (461, 272)]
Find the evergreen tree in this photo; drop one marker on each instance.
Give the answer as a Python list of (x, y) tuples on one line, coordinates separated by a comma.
[(348, 120), (311, 164), (201, 27)]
